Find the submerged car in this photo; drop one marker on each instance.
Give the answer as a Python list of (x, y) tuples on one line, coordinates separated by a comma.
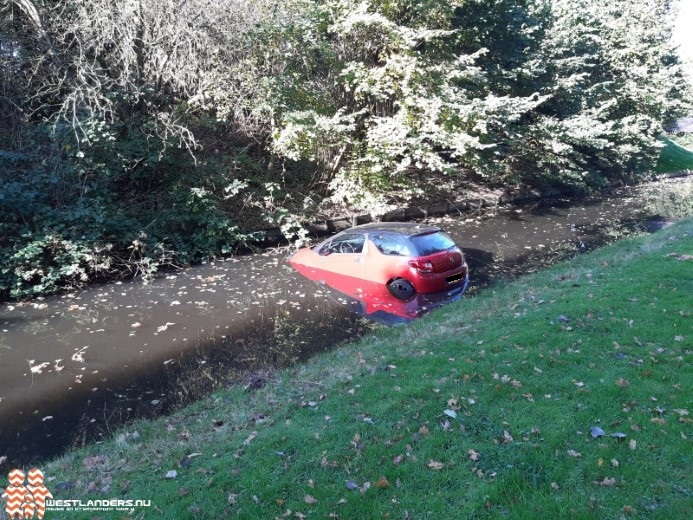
[(407, 258)]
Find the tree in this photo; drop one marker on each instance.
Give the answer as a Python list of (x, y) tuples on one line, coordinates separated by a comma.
[(111, 112), (509, 91)]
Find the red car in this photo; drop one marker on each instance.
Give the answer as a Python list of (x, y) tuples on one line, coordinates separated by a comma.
[(406, 258)]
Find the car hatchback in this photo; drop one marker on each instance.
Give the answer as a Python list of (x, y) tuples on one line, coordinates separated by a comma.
[(407, 258)]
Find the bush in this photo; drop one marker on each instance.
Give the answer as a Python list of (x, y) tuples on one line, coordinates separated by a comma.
[(672, 202)]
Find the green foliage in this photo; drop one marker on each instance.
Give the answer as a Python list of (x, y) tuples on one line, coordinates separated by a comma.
[(47, 263), (401, 98), (118, 207), (684, 140), (518, 92), (672, 203)]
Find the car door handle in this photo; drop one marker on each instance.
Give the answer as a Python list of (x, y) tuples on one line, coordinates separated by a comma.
[(358, 260)]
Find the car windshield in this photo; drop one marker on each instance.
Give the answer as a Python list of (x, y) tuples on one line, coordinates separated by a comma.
[(432, 243)]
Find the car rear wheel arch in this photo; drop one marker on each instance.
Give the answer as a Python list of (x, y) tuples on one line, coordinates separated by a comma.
[(401, 288)]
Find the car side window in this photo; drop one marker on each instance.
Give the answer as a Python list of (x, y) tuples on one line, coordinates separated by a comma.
[(391, 245), (348, 243), (325, 248)]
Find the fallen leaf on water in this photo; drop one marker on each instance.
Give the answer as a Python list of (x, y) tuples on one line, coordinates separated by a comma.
[(434, 464)]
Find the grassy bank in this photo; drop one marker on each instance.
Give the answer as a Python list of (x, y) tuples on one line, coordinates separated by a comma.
[(484, 409), (676, 156)]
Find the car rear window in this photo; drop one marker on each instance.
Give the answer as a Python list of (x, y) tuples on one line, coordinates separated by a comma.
[(431, 243)]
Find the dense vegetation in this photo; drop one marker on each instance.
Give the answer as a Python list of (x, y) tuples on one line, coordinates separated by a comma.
[(145, 132)]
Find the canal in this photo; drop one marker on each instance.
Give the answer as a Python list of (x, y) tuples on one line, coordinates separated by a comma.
[(76, 366)]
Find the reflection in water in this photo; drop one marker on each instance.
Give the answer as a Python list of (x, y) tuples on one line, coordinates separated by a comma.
[(373, 300), (75, 367)]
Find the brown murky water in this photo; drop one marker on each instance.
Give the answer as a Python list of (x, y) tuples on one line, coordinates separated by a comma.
[(74, 367)]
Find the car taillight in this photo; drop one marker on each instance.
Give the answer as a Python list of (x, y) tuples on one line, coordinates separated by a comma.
[(422, 265)]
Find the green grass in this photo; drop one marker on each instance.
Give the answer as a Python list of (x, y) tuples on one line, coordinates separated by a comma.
[(675, 157), (527, 368)]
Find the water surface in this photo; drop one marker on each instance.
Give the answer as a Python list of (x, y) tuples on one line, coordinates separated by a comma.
[(75, 367)]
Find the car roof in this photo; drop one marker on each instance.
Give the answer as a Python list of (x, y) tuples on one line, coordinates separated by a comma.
[(399, 228)]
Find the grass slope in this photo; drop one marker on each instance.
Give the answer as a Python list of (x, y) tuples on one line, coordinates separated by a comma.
[(482, 410), (674, 158)]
